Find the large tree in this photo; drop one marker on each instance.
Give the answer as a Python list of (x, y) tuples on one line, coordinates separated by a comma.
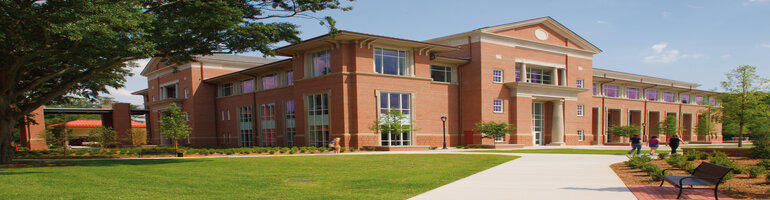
[(80, 47), (742, 101)]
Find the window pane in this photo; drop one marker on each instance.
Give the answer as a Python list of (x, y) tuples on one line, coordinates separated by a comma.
[(321, 63), (668, 96), (290, 78), (270, 81), (611, 91), (632, 93), (652, 95)]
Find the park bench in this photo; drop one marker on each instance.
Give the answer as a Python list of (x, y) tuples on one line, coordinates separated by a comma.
[(706, 174)]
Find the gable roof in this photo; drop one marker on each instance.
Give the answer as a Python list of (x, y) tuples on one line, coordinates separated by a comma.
[(547, 21)]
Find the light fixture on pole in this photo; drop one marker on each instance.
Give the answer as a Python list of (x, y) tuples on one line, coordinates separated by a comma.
[(644, 131), (443, 121)]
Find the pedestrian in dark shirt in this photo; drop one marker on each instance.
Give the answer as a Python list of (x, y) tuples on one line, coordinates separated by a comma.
[(636, 144), (674, 143)]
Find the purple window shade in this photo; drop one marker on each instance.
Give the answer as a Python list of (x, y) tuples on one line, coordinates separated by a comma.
[(668, 96), (321, 63), (712, 101), (611, 91), (699, 99), (652, 95), (632, 93), (269, 82), (248, 86), (290, 78), (594, 88), (518, 74), (290, 107), (685, 98)]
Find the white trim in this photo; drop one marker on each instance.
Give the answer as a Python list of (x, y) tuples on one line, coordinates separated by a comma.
[(533, 45), (540, 63)]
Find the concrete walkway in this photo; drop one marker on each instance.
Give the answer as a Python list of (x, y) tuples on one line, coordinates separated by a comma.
[(541, 176)]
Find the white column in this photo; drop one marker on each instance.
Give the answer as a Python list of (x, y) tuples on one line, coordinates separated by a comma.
[(564, 78), (556, 79), (557, 124), (523, 73)]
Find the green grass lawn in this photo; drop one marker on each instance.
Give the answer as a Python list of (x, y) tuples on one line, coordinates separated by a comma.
[(290, 177), (569, 151)]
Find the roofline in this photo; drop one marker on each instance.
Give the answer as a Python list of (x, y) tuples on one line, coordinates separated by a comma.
[(345, 32), (645, 76), (142, 91), (252, 68)]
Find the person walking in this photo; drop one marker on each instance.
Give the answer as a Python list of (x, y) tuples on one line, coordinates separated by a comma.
[(654, 144), (636, 144), (674, 143), (333, 145), (337, 145)]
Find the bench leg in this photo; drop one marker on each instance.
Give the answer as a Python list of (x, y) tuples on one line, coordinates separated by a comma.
[(716, 196), (680, 192), (661, 183)]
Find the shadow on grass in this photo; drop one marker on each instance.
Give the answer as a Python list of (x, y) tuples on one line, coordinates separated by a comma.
[(102, 163), (20, 173)]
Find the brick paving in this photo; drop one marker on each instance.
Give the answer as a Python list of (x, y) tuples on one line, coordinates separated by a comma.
[(645, 192)]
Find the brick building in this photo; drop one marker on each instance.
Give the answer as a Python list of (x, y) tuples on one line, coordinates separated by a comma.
[(338, 86)]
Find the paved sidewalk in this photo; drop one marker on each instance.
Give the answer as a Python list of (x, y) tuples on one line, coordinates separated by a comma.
[(541, 176)]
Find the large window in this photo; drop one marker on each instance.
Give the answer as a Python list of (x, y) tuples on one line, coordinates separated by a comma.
[(401, 103), (290, 123), (247, 85), (269, 81), (685, 98), (318, 119), (168, 91), (226, 89), (542, 76), (668, 97), (651, 95), (611, 91), (699, 99), (245, 126), (712, 101), (290, 78), (441, 73), (497, 106), (497, 76), (389, 61), (267, 124), (632, 93), (320, 63)]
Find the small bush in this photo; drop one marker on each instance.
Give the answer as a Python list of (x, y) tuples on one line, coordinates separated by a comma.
[(764, 163), (433, 148), (459, 147), (293, 151), (352, 149), (756, 171), (737, 169), (663, 155), (370, 148), (342, 150), (271, 151)]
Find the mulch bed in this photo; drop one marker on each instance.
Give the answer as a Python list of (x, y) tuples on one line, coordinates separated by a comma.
[(36, 164), (739, 187)]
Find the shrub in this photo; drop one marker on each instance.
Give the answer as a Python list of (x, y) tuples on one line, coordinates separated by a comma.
[(459, 147), (756, 171), (370, 148), (272, 151), (663, 155), (283, 150), (292, 151), (764, 163), (737, 169), (342, 150), (433, 148), (352, 149)]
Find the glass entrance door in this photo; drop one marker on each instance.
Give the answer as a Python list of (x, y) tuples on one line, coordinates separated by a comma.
[(538, 123)]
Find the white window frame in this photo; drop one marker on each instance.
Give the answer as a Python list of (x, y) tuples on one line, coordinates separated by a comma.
[(581, 135), (494, 76), (187, 93), (223, 115), (447, 73), (310, 69), (228, 114), (495, 106), (187, 116), (408, 61), (500, 139), (579, 83), (580, 111)]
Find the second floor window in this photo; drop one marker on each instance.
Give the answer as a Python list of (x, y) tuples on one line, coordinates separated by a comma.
[(611, 91), (497, 106), (699, 99), (270, 81), (497, 76), (227, 89), (542, 76), (668, 97), (320, 63), (685, 98), (632, 93), (595, 92), (441, 73), (247, 85), (389, 61), (579, 110), (579, 84), (651, 95), (290, 78)]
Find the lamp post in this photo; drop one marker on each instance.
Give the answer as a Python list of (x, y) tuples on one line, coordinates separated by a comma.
[(644, 131), (443, 121)]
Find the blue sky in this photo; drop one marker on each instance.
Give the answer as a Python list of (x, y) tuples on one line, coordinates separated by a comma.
[(693, 41)]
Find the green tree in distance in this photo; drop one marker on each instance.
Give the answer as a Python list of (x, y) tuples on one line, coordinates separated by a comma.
[(670, 127), (173, 125), (741, 102), (493, 130), (393, 122), (104, 136), (50, 49), (706, 123), (625, 131)]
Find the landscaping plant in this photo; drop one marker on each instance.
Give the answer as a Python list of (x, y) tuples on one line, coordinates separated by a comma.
[(173, 125), (624, 131), (756, 171), (103, 136), (493, 130)]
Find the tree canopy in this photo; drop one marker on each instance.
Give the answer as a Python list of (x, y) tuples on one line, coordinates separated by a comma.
[(81, 47), (742, 103), (173, 125)]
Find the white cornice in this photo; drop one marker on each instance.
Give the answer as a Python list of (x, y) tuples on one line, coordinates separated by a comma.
[(533, 45)]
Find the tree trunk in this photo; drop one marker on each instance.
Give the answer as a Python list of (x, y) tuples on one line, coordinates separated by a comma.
[(740, 134), (6, 130), (176, 146)]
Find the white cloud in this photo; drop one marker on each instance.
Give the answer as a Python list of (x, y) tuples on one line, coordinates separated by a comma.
[(124, 95), (661, 55), (764, 45), (601, 22), (665, 14), (749, 2), (725, 56)]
